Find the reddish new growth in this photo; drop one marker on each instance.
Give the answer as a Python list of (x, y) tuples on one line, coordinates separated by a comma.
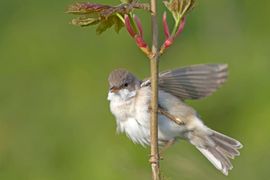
[(122, 15), (137, 33), (170, 37)]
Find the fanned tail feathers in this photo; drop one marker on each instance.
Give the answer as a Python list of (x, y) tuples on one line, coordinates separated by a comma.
[(221, 150)]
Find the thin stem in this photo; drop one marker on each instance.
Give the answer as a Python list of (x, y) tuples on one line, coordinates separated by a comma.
[(180, 18), (120, 17), (154, 160), (176, 24)]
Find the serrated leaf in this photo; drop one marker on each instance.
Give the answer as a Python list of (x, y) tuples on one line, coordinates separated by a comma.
[(85, 21), (87, 8)]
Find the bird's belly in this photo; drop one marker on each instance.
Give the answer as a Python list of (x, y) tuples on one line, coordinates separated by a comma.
[(139, 130), (169, 130)]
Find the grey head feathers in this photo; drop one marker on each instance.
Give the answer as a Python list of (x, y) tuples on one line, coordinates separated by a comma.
[(121, 78)]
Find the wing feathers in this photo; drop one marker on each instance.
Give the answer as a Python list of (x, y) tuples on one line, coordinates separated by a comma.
[(193, 82)]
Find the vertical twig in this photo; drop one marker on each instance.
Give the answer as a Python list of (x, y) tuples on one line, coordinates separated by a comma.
[(154, 160)]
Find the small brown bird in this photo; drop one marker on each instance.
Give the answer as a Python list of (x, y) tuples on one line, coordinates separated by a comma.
[(130, 101)]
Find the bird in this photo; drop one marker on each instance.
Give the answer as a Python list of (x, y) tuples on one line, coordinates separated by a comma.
[(130, 99)]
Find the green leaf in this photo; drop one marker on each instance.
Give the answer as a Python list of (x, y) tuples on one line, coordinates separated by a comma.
[(118, 24), (85, 21), (104, 25)]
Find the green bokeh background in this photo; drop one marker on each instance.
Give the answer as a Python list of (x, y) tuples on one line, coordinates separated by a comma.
[(55, 122)]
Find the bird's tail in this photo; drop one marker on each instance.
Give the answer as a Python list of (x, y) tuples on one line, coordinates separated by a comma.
[(217, 148)]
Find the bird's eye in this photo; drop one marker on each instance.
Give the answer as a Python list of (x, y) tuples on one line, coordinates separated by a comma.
[(126, 84)]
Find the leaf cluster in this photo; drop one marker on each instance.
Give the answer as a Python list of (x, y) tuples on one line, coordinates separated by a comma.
[(104, 16)]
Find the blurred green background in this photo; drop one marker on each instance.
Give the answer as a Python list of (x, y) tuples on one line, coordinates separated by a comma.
[(55, 122)]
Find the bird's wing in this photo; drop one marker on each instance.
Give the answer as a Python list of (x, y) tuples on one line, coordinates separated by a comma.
[(192, 82)]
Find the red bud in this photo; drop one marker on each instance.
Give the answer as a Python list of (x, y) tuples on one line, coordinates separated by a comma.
[(139, 25), (128, 26), (181, 26), (168, 42), (165, 26), (140, 42)]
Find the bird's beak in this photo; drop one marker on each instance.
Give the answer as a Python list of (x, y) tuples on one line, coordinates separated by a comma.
[(114, 89)]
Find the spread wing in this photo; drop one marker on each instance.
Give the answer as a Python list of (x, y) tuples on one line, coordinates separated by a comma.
[(192, 82)]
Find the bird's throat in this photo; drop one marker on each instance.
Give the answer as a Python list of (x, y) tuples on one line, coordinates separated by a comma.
[(121, 95)]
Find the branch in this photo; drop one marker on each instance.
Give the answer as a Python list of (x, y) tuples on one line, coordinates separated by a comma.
[(154, 160)]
